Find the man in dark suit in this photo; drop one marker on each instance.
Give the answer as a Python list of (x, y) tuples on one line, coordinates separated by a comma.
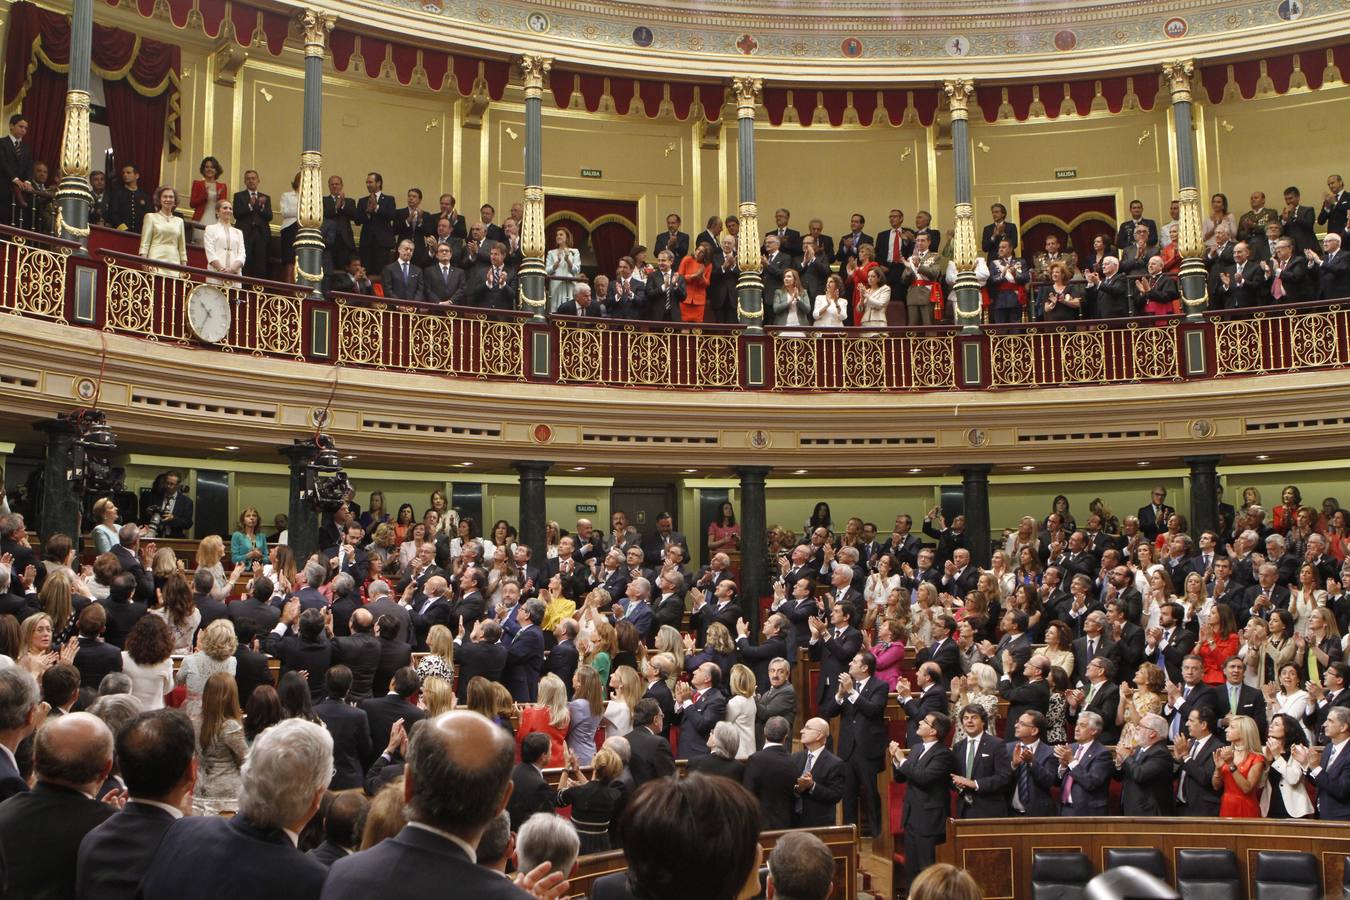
[(665, 291), (998, 230), (481, 653), (1236, 698), (1014, 642), (402, 278), (943, 650), (658, 690), (1168, 643), (128, 553), (16, 171), (562, 659), (672, 239), (398, 703), (1332, 269), (860, 704), (1242, 285), (583, 304), (982, 773), (699, 705), (626, 298), (251, 854), (1085, 770), (1153, 517), (460, 755), (789, 239), (1027, 691), (771, 775), (834, 645), (497, 287), (433, 608), (932, 697), (257, 607), (1335, 206), (95, 657), (525, 653), (654, 545), (1291, 281), (1035, 768), (341, 819), (758, 656), (1108, 294), (122, 610), (820, 782), (41, 829), (530, 793), (250, 666), (1187, 694), (339, 212), (156, 754), (893, 247), (926, 768), (413, 223), (1147, 771), (395, 653), (351, 280), (375, 214), (651, 757), (1328, 768), (1296, 221), (1093, 644), (253, 216), (128, 203), (359, 651), (349, 728), (443, 282), (721, 607), (299, 641), (1193, 755), (1266, 596), (1328, 695), (203, 598), (959, 576), (850, 242), (1125, 236), (22, 712), (347, 557)]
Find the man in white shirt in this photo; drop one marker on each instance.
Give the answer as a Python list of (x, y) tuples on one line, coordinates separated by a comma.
[(223, 243)]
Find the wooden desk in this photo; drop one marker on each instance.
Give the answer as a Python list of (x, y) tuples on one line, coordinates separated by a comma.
[(841, 839), (997, 852)]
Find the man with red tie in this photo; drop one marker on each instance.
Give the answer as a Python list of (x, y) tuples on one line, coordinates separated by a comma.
[(894, 246)]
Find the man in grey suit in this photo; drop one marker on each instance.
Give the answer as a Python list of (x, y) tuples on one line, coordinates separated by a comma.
[(779, 700)]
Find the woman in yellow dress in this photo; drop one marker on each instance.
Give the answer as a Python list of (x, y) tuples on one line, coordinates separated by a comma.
[(162, 237), (1136, 702)]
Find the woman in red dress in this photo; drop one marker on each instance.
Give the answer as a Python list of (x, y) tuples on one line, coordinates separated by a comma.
[(1238, 768), (549, 716)]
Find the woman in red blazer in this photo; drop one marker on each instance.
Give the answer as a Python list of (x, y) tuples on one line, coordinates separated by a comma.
[(207, 190)]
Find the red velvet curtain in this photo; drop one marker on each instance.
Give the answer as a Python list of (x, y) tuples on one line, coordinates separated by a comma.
[(137, 126), (611, 242), (44, 104)]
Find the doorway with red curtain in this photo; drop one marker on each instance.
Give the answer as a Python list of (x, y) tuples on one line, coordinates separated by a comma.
[(603, 230), (1074, 220)]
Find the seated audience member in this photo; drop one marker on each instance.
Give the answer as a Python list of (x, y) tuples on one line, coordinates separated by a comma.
[(341, 827), (800, 867), (156, 752), (944, 881), (41, 829), (497, 847), (455, 783), (254, 853)]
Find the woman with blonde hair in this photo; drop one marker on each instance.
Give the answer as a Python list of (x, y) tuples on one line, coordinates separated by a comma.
[(248, 545), (1238, 770), (216, 644), (104, 514), (585, 711), (1144, 698), (980, 687), (925, 600), (386, 816), (437, 696), (593, 802), (944, 881), (1001, 571), (220, 747), (36, 641), (669, 641), (179, 612), (741, 708), (382, 542), (718, 649), (627, 691), (210, 552), (439, 660), (58, 601), (1025, 537), (549, 716), (163, 564)]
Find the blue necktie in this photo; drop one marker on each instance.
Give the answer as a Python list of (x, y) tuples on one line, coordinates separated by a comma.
[(1024, 782)]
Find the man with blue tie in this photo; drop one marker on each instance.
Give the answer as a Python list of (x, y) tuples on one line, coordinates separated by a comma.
[(982, 773), (1192, 692), (1085, 770), (1332, 774), (401, 279), (637, 610), (1034, 768)]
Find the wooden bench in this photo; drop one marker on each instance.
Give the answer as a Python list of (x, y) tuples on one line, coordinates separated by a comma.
[(842, 840)]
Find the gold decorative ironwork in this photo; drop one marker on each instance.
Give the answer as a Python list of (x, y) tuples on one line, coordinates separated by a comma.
[(650, 360), (1012, 360), (1190, 231), (131, 300), (430, 343), (748, 90), (75, 152), (1312, 340), (959, 91), (718, 361), (1155, 352), (864, 363), (1178, 74), (35, 279), (579, 353), (503, 349), (794, 362), (747, 241), (1237, 347), (361, 334), (310, 213), (1084, 357), (964, 249), (277, 324), (931, 362), (532, 228)]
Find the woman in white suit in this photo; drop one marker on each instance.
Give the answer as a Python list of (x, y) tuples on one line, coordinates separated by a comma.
[(162, 236), (872, 306), (831, 309), (1284, 796), (223, 243), (563, 261)]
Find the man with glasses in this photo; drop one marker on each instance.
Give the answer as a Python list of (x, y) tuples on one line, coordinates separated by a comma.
[(1153, 517)]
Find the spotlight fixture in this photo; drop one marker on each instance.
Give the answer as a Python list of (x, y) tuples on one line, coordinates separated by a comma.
[(1263, 456), (915, 471), (1028, 468), (230, 447)]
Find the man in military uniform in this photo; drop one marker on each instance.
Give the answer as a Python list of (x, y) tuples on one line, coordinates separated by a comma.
[(1053, 254), (922, 271), (1254, 221)]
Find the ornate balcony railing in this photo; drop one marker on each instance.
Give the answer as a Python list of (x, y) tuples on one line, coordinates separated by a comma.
[(44, 278)]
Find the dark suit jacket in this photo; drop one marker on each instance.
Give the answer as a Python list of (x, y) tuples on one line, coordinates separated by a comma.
[(1201, 798), (651, 756), (770, 775), (696, 722), (1299, 228), (394, 655), (817, 807), (114, 856), (848, 246), (1109, 299), (1177, 648), (300, 655), (679, 246), (253, 222), (1091, 786), (1333, 786), (531, 794), (835, 655), (990, 244), (337, 223), (662, 302), (250, 672), (758, 657), (40, 834), (203, 857), (1105, 701), (328, 853), (928, 797), (991, 771), (11, 783), (562, 661), (416, 231), (145, 584), (1043, 772), (438, 288), (524, 659), (426, 864), (352, 750), (482, 294), (1334, 216), (396, 286), (1125, 237), (96, 659), (862, 722), (264, 615), (660, 692), (361, 654), (1030, 695), (377, 228), (947, 656), (712, 764), (1147, 777), (1251, 702), (478, 658), (383, 712), (1333, 277), (1300, 284), (919, 705)]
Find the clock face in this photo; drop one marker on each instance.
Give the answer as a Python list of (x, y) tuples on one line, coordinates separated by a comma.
[(209, 313)]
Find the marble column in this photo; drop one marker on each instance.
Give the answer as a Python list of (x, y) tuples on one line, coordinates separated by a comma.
[(533, 285), (965, 294), (533, 515), (1204, 493), (975, 500), (309, 240), (302, 520), (750, 286), (73, 196), (754, 539), (1190, 237), (60, 512)]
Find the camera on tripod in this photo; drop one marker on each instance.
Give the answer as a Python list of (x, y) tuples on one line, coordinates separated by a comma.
[(326, 484)]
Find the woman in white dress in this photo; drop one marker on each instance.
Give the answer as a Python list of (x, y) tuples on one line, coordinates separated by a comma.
[(162, 236), (628, 690), (563, 261), (223, 243), (882, 582), (741, 708), (831, 307), (1305, 597), (290, 226)]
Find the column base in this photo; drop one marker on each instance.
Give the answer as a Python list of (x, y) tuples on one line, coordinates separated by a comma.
[(966, 298), (750, 302), (73, 199), (1194, 284)]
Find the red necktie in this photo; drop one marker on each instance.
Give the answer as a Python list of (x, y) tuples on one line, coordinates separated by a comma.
[(895, 245)]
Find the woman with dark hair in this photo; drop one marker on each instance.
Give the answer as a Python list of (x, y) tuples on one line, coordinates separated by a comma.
[(1291, 498), (1061, 505), (671, 852), (1219, 641), (262, 711), (723, 532), (820, 518), (1286, 695), (179, 611), (1058, 712), (147, 658), (1218, 215), (293, 692), (1101, 248), (290, 226), (403, 522), (1284, 795), (207, 191)]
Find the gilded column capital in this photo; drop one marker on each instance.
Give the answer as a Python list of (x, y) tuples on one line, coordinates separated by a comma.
[(748, 90), (1178, 73), (315, 23), (959, 91), (533, 69)]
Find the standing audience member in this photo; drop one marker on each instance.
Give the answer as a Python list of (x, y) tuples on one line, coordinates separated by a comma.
[(21, 713)]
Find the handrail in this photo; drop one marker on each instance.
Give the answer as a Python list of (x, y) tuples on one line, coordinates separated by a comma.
[(39, 236), (244, 282)]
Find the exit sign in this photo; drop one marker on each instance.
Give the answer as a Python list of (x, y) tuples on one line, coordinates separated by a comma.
[(585, 507), (591, 173), (1066, 173)]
